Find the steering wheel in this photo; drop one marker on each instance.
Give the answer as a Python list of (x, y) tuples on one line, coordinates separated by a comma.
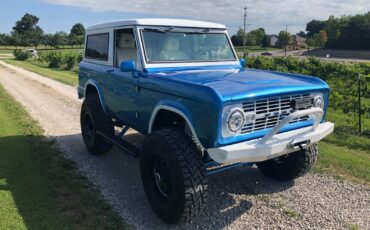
[(200, 53)]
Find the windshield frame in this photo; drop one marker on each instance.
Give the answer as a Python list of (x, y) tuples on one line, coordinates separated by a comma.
[(171, 29)]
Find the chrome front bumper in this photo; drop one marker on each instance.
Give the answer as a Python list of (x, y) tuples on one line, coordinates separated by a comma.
[(272, 144)]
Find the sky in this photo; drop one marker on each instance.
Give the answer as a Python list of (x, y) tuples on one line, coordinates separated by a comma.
[(273, 15)]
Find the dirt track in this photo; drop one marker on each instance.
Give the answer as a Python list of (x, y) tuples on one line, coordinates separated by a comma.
[(239, 199)]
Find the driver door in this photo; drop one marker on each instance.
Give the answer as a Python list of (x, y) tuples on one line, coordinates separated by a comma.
[(122, 93)]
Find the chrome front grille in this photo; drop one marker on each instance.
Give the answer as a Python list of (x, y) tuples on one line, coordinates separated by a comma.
[(269, 111)]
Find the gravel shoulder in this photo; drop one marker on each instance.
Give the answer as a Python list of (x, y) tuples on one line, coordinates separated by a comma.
[(238, 199)]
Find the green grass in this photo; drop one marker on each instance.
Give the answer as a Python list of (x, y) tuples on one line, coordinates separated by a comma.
[(68, 77), (344, 154), (291, 212), (38, 188), (255, 49), (2, 51)]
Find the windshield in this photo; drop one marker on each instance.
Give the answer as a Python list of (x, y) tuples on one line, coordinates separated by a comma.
[(163, 46)]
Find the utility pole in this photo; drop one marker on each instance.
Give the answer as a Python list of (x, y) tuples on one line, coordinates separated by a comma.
[(286, 38), (244, 30)]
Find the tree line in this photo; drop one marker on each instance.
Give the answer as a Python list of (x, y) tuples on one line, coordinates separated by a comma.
[(26, 32), (345, 32)]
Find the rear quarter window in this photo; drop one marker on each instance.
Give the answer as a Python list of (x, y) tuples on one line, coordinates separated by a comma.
[(97, 46)]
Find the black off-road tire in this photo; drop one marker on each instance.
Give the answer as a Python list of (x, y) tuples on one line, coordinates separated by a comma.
[(186, 174), (92, 109), (292, 166)]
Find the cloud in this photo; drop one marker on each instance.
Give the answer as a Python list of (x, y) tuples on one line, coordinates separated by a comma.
[(260, 12)]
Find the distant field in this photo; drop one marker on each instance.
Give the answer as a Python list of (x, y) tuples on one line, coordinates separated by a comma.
[(10, 49), (42, 47)]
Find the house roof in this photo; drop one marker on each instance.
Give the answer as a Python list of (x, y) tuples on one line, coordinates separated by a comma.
[(158, 22)]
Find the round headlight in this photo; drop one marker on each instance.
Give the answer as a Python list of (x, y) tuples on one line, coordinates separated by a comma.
[(318, 102), (236, 120)]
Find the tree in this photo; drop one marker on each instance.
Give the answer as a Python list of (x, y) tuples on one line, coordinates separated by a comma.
[(322, 38), (301, 34), (77, 34), (258, 35), (283, 39), (60, 38), (346, 32), (27, 31), (78, 29), (27, 23), (72, 39), (314, 26), (266, 41), (237, 40), (3, 40), (240, 32), (310, 42), (15, 40), (35, 37), (251, 40), (48, 40)]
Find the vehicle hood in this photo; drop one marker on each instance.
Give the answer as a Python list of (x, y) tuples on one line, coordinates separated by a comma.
[(236, 84)]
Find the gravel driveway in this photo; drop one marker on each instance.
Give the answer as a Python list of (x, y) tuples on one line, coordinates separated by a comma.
[(238, 199)]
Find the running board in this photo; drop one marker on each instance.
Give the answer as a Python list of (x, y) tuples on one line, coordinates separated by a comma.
[(213, 167), (122, 144)]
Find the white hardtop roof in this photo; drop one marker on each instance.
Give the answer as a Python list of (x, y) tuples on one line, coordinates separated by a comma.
[(158, 22)]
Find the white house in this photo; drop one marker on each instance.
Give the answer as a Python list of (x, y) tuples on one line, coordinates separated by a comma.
[(273, 40)]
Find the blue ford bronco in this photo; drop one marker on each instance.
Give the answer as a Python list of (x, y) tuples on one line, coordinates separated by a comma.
[(181, 84)]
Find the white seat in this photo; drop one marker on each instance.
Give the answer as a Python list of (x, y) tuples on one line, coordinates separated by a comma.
[(126, 49), (171, 50)]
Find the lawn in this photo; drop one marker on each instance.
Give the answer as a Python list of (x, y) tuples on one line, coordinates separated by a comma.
[(38, 188), (68, 77), (343, 154), (5, 51)]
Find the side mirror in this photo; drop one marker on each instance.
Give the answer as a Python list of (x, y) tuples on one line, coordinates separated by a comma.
[(128, 66), (243, 62)]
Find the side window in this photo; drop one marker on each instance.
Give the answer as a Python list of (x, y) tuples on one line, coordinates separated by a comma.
[(97, 46), (125, 46)]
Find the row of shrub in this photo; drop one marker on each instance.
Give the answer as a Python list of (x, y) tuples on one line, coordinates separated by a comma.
[(57, 59), (21, 55), (54, 59), (343, 78)]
